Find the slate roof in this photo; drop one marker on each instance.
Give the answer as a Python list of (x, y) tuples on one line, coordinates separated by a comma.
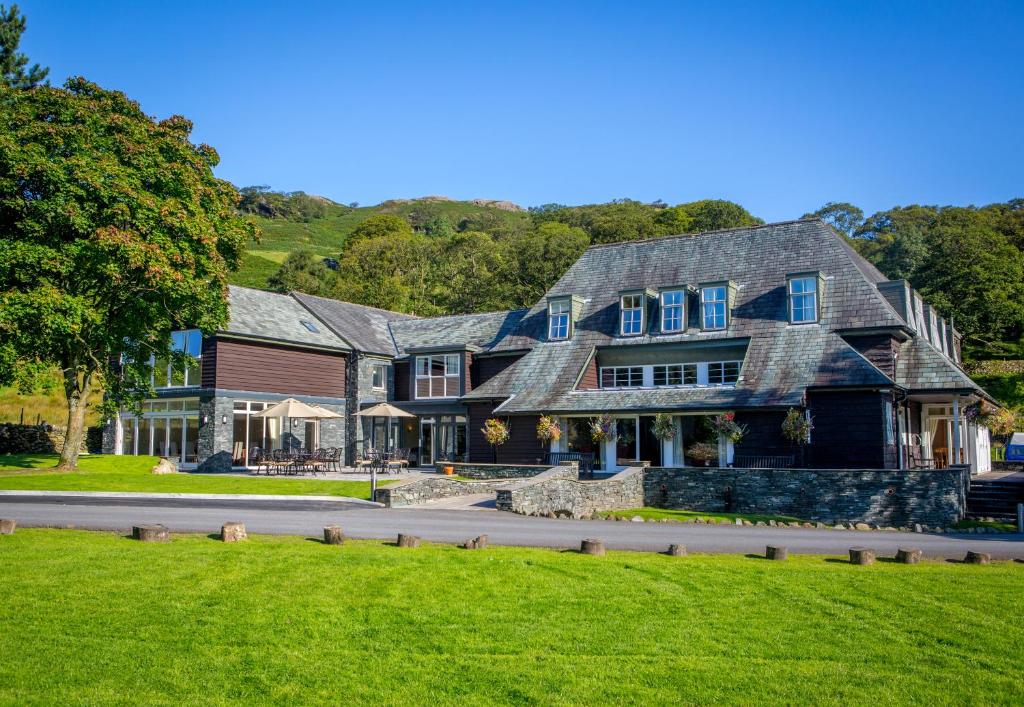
[(921, 368), (473, 331), (269, 316), (365, 328), (782, 360)]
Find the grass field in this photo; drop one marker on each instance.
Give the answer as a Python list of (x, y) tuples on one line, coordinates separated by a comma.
[(117, 473), (96, 618)]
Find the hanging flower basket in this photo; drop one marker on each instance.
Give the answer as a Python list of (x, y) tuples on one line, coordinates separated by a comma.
[(548, 429), (603, 429), (495, 432), (797, 427), (664, 427), (726, 426)]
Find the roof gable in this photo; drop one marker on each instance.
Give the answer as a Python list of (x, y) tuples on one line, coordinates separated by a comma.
[(270, 316)]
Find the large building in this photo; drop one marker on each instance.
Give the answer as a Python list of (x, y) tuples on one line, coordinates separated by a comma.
[(755, 321)]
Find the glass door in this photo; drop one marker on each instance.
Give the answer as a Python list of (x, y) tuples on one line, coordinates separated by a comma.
[(426, 441)]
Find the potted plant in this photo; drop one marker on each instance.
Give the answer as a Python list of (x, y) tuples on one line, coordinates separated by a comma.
[(495, 433), (796, 427), (664, 427), (603, 429), (704, 452)]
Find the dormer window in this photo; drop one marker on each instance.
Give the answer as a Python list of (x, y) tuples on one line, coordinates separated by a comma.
[(632, 314), (559, 319), (673, 311), (714, 307), (803, 299)]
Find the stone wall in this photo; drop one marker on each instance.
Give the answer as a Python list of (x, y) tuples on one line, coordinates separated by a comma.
[(414, 491), (472, 470), (887, 497), (560, 492)]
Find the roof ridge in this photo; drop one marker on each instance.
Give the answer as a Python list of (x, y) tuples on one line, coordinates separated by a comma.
[(470, 314), (297, 293), (699, 234)]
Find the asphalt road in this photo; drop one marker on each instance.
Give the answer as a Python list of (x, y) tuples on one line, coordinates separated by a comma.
[(360, 521)]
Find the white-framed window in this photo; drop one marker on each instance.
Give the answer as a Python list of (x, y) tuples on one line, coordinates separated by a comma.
[(189, 341), (559, 313), (166, 428), (437, 376), (673, 311), (632, 314), (622, 377), (723, 372), (379, 377), (714, 301), (803, 299)]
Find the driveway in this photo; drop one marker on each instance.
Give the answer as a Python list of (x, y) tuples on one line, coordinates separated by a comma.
[(361, 520)]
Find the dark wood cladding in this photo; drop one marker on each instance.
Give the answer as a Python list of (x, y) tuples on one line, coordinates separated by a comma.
[(589, 379), (486, 367), (209, 363), (522, 446), (403, 380), (849, 431), (880, 349), (268, 368)]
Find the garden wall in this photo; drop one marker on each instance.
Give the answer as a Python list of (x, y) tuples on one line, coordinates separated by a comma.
[(887, 497), (560, 492), (471, 470), (416, 491)]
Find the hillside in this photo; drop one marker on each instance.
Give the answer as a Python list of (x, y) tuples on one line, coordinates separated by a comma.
[(325, 236)]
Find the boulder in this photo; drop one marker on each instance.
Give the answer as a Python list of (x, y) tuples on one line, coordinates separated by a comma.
[(165, 466), (861, 526), (977, 558), (676, 550), (477, 543)]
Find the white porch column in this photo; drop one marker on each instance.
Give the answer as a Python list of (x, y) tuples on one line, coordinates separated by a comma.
[(666, 453), (610, 456), (956, 430)]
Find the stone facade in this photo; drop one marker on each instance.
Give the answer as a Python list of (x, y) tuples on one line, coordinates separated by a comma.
[(471, 470), (215, 436), (887, 497), (559, 491), (361, 394), (416, 491)]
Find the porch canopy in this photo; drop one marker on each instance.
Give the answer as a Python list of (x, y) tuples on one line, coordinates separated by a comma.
[(296, 409), (384, 410)]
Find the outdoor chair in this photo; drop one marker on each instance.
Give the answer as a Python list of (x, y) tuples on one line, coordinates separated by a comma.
[(256, 459)]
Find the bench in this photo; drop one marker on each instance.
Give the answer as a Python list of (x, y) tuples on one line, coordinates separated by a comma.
[(584, 459), (762, 461)]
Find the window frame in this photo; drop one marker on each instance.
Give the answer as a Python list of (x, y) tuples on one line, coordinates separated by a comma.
[(704, 303), (187, 381), (450, 364), (639, 308), (382, 369), (630, 373), (681, 305), (553, 317), (791, 297)]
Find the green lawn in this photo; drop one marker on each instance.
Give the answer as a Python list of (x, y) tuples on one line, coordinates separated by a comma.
[(104, 472), (96, 618), (660, 513)]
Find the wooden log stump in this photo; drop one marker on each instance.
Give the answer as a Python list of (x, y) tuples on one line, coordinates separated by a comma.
[(862, 556), (977, 558), (408, 540), (7, 526), (333, 535), (592, 546), (477, 543), (908, 555), (151, 533), (232, 532), (776, 552), (676, 550)]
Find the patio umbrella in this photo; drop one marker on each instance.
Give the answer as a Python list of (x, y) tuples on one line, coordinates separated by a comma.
[(296, 408), (381, 410)]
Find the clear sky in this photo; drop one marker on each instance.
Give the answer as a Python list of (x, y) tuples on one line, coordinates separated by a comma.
[(777, 106)]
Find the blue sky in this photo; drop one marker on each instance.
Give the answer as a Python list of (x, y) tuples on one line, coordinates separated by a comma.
[(777, 106)]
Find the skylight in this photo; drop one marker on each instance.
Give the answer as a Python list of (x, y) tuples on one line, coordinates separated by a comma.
[(310, 325)]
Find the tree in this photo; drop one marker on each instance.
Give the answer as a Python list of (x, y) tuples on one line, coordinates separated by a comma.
[(12, 62), (379, 226), (304, 271), (114, 233), (841, 215), (716, 214)]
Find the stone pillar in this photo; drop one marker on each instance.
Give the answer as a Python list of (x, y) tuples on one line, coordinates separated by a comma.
[(216, 433)]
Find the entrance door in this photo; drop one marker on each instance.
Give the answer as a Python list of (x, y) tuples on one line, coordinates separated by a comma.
[(650, 446), (426, 441)]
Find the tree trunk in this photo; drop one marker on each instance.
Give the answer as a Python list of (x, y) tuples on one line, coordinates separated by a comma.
[(76, 389)]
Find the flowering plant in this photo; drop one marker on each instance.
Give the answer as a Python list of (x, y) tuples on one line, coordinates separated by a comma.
[(548, 429), (797, 427), (702, 452), (1001, 422), (664, 427), (726, 426), (603, 429), (495, 432)]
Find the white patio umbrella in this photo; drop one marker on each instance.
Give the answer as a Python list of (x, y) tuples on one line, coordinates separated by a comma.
[(292, 409), (381, 410)]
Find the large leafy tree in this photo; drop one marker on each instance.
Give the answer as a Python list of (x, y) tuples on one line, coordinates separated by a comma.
[(114, 233), (14, 68), (841, 215)]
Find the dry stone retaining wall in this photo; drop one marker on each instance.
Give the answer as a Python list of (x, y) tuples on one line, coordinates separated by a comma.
[(560, 492), (416, 491), (493, 471), (936, 497)]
